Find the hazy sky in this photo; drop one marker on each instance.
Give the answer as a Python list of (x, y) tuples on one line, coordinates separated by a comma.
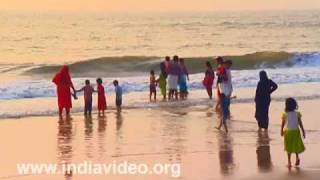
[(155, 5)]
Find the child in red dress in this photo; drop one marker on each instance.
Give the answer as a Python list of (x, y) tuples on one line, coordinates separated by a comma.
[(102, 104)]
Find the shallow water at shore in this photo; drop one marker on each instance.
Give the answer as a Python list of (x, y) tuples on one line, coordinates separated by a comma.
[(19, 108)]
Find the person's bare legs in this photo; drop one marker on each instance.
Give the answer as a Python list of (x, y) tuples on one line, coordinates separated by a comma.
[(297, 160), (60, 111), (170, 94), (68, 111), (220, 125), (155, 96), (224, 112), (289, 160), (209, 91), (176, 94), (225, 126), (219, 102), (220, 116), (184, 95), (218, 105)]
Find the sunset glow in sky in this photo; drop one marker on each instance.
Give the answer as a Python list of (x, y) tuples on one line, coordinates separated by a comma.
[(155, 5)]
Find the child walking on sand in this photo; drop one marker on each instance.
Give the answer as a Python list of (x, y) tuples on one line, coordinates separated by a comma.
[(118, 91), (153, 86), (291, 118), (87, 94), (102, 104)]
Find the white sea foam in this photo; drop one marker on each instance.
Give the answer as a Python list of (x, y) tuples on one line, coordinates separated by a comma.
[(137, 100), (21, 89)]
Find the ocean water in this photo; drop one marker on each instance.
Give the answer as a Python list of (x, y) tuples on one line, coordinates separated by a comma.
[(39, 43), (57, 38)]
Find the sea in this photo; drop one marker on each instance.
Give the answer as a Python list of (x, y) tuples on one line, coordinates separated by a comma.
[(30, 41)]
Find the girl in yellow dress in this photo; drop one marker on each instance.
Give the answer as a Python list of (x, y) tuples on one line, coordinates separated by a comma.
[(291, 119)]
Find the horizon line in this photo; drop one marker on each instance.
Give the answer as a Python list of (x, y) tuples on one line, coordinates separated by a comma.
[(159, 11)]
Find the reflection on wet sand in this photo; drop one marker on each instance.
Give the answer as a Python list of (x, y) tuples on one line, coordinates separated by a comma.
[(176, 135), (102, 124), (173, 134), (263, 152), (88, 136), (119, 121), (210, 128), (119, 136), (64, 138), (225, 153)]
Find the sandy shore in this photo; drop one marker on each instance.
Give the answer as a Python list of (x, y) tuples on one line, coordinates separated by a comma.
[(162, 135)]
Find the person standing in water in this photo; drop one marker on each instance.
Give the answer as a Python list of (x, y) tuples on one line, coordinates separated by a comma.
[(118, 91), (228, 87), (225, 89), (208, 79), (262, 99), (153, 86), (221, 75), (184, 76), (174, 72), (87, 95), (102, 104), (63, 82), (162, 80), (167, 63)]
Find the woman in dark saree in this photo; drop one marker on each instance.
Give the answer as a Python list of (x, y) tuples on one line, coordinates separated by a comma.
[(263, 98)]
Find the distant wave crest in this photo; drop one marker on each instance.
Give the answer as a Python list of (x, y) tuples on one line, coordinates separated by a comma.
[(136, 65), (132, 72)]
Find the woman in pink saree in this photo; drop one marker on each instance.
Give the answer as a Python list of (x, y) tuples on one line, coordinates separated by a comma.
[(63, 82)]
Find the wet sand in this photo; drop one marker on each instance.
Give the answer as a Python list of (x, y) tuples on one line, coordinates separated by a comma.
[(185, 135)]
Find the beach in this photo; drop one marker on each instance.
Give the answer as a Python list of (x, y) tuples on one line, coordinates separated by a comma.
[(178, 136), (185, 135)]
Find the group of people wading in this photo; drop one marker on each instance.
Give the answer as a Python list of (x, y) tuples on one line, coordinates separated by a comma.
[(173, 79)]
